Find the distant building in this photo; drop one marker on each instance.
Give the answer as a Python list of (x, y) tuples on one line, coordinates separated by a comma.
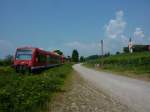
[(137, 48)]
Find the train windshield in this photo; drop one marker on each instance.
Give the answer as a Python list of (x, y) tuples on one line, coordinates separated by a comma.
[(24, 55)]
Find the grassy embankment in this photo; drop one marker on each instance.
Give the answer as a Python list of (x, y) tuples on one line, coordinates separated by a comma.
[(27, 93), (134, 65)]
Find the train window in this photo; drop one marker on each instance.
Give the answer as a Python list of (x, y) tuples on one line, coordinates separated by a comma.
[(41, 58), (48, 58), (24, 54), (53, 59)]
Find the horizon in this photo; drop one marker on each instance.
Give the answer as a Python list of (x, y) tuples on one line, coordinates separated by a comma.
[(68, 25)]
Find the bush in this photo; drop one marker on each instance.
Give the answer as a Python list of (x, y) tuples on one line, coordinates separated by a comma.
[(6, 70), (8, 60), (24, 93)]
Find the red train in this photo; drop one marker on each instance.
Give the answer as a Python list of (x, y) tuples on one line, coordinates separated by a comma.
[(30, 59)]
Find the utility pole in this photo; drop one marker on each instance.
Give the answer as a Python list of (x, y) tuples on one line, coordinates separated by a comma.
[(102, 53), (102, 47)]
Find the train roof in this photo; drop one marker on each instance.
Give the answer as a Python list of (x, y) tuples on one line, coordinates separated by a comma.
[(26, 48), (42, 50)]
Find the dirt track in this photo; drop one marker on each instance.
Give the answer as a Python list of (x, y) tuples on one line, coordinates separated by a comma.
[(131, 92), (82, 96)]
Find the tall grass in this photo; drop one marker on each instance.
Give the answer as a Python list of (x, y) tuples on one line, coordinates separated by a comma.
[(25, 93)]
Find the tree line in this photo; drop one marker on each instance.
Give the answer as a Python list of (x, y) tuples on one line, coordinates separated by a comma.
[(75, 56)]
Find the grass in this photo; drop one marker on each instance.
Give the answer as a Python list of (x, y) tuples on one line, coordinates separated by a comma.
[(6, 70), (134, 65), (27, 93), (58, 96)]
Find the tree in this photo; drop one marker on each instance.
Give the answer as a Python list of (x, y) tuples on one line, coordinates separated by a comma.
[(75, 56), (117, 52), (7, 60), (107, 54), (69, 58), (58, 52), (92, 57), (82, 59)]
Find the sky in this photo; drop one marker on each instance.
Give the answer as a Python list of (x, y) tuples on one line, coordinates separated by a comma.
[(73, 24)]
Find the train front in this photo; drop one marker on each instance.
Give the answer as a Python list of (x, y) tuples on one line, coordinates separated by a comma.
[(23, 59)]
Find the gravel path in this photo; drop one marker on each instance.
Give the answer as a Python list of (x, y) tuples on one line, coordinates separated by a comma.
[(82, 96), (131, 92)]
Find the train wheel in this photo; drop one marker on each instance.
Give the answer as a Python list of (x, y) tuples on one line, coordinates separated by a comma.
[(17, 69), (22, 69), (27, 70)]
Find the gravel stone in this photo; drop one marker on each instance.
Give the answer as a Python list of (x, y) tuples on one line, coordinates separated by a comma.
[(82, 96)]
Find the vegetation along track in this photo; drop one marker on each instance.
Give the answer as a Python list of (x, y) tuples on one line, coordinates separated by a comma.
[(27, 93)]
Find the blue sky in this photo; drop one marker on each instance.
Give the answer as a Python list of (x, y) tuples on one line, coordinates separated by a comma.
[(69, 24)]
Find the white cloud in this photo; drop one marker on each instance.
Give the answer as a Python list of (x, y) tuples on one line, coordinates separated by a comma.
[(139, 37), (138, 33), (115, 39), (113, 45), (116, 26), (76, 44), (84, 48)]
